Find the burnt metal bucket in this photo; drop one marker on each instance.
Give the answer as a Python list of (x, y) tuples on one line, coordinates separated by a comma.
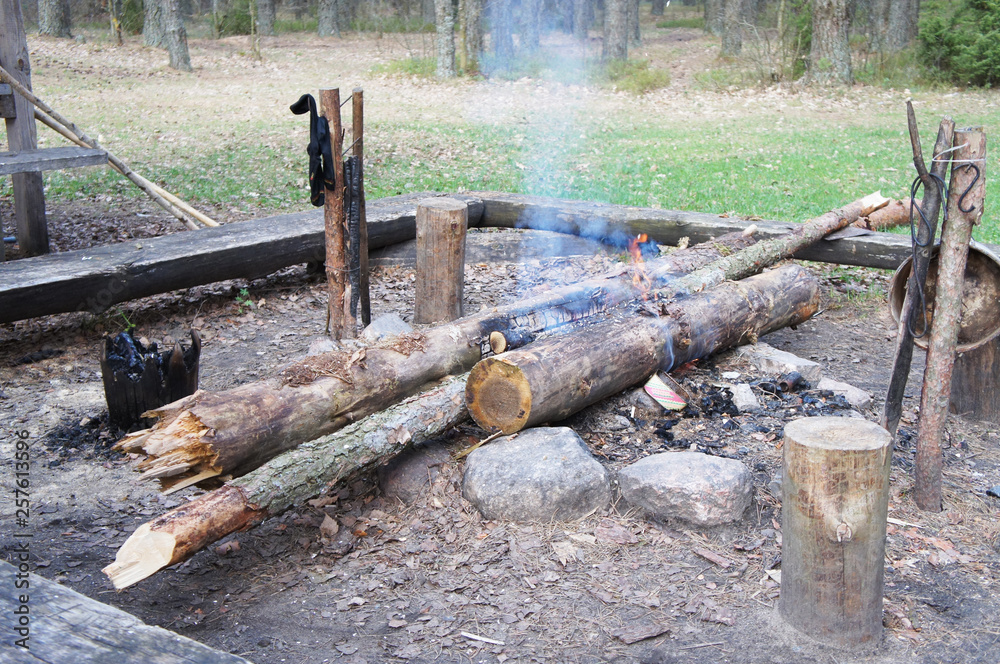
[(980, 321)]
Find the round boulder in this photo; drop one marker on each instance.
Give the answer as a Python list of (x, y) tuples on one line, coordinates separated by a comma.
[(542, 474), (700, 489)]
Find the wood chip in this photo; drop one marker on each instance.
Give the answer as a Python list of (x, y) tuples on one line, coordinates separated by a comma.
[(640, 631), (713, 557)]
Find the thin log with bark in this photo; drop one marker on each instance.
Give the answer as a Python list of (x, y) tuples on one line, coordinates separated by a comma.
[(290, 478), (551, 379), (965, 208)]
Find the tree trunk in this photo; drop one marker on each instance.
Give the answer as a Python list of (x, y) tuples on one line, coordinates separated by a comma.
[(581, 19), (235, 431), (532, 15), (501, 33), (964, 211), (658, 7), (153, 32), (830, 55), (634, 33), (878, 24), (177, 45), (290, 478), (470, 18), (836, 498), (732, 27), (902, 25), (329, 21), (615, 30), (54, 18), (713, 17), (549, 380), (445, 42), (265, 17)]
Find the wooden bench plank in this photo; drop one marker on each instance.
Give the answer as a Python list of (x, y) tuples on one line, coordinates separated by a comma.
[(94, 279), (66, 626), (50, 159)]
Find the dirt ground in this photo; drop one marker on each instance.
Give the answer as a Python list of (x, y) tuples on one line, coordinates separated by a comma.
[(432, 581)]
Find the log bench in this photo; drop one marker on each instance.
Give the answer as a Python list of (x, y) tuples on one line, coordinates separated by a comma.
[(65, 626), (50, 159), (94, 279)]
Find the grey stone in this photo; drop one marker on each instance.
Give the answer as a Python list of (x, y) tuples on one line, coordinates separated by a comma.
[(689, 486), (744, 399), (542, 474), (771, 360), (321, 345), (384, 326), (646, 407), (408, 476), (854, 395)]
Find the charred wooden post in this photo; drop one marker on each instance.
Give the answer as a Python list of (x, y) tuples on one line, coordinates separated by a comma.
[(333, 214), (292, 477), (965, 208), (139, 379), (358, 148), (551, 379), (441, 226), (836, 488), (975, 385), (927, 214)]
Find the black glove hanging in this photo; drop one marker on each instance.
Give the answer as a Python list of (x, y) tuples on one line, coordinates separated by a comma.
[(320, 154)]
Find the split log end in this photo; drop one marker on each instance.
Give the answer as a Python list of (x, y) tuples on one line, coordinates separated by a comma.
[(498, 396), (178, 448), (144, 553), (872, 202)]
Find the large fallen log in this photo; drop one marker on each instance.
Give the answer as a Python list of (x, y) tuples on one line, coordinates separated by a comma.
[(555, 377), (292, 477), (233, 432)]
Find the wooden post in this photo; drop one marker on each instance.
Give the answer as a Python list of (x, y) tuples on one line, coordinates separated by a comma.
[(441, 224), (836, 488), (965, 208), (975, 385), (358, 124), (333, 214), (29, 197)]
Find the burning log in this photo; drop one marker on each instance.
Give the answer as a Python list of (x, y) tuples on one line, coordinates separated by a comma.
[(236, 431), (551, 379), (294, 476)]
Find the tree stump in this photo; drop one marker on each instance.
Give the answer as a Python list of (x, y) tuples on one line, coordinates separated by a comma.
[(138, 379), (836, 489), (441, 224)]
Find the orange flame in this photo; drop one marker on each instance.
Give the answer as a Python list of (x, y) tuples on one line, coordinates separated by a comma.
[(640, 279)]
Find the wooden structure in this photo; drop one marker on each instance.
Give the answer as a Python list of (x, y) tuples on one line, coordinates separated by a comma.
[(836, 499), (65, 626), (94, 279), (441, 226), (965, 208)]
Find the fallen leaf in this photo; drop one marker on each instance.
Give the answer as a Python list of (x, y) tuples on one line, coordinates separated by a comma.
[(329, 527)]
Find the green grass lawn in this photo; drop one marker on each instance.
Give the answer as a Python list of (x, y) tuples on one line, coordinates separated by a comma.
[(754, 164)]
